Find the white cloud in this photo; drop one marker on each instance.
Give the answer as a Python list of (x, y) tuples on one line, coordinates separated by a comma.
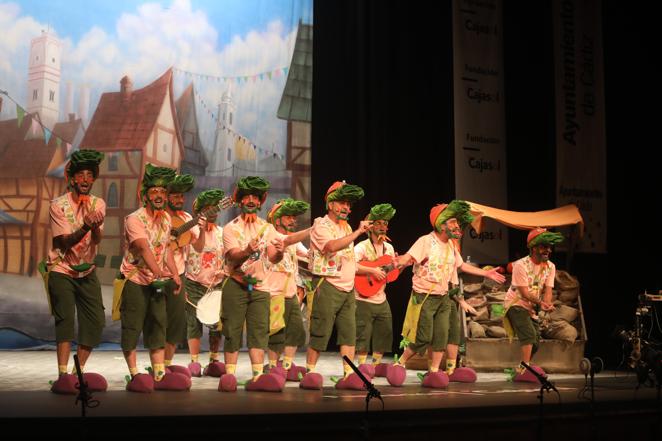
[(148, 40)]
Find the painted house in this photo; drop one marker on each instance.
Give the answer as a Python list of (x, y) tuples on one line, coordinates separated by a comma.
[(132, 127), (296, 107)]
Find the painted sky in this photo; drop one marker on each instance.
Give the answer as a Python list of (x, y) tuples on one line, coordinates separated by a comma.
[(105, 40)]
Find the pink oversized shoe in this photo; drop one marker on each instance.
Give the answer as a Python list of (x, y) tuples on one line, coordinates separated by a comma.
[(173, 382), (95, 382), (463, 375), (368, 370), (227, 383), (195, 368), (270, 382), (65, 385), (312, 381), (278, 370), (435, 380), (381, 369), (214, 369), (296, 373), (396, 375), (351, 382), (178, 369), (142, 383), (528, 377)]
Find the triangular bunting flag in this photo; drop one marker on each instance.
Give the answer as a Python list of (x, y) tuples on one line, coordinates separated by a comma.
[(269, 75), (285, 69), (58, 142), (20, 113), (47, 135)]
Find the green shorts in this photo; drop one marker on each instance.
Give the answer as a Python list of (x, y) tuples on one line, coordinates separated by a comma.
[(526, 329), (332, 307), (240, 306), (143, 310), (195, 292), (82, 297), (374, 327), (432, 329), (176, 310), (454, 325), (293, 333)]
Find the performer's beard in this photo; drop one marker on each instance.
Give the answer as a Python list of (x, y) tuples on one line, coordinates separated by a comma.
[(175, 208), (81, 189), (250, 208), (540, 256), (156, 205)]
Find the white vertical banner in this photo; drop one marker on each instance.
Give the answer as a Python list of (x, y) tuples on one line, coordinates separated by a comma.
[(480, 152), (581, 170)]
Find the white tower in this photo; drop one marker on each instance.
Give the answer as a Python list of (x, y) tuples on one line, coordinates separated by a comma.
[(44, 78), (223, 156)]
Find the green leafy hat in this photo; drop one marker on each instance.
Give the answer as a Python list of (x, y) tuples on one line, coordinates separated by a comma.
[(287, 207), (254, 185), (457, 209), (156, 177), (84, 159), (341, 191), (181, 184), (208, 198), (540, 236), (381, 212)]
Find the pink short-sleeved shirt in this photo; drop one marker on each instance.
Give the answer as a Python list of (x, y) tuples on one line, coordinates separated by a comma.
[(325, 230), (281, 277), (179, 254), (365, 250), (140, 225), (207, 267), (534, 277), (236, 235), (436, 264), (66, 217)]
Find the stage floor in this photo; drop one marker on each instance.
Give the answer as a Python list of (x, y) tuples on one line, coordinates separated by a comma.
[(491, 406)]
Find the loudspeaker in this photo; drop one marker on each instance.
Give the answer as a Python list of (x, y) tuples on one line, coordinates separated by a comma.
[(592, 366)]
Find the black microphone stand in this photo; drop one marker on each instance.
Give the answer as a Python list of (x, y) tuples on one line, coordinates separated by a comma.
[(545, 385), (372, 390), (84, 395)]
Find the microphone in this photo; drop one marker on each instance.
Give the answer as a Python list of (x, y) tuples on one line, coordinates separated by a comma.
[(544, 382)]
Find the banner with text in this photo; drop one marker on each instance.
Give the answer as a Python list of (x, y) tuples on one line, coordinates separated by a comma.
[(480, 156), (581, 175)]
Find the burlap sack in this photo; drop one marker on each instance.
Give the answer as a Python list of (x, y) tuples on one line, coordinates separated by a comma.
[(564, 281), (563, 312), (477, 301), (472, 288), (496, 332), (490, 285), (569, 297), (476, 330), (498, 296), (559, 330), (482, 314)]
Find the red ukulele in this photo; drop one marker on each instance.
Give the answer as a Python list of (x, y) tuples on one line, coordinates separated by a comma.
[(368, 286)]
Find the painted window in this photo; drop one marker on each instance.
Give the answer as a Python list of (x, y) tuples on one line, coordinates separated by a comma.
[(112, 201)]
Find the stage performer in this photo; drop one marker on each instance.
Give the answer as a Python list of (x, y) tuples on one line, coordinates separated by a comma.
[(374, 322), (332, 262), (204, 273), (146, 261), (530, 291), (436, 261), (176, 304), (76, 220), (286, 322), (245, 299)]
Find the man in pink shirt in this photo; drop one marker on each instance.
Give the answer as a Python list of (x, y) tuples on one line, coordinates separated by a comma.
[(245, 295), (175, 303), (530, 291), (374, 322), (436, 260), (282, 282), (332, 262), (204, 274), (146, 261), (76, 220)]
